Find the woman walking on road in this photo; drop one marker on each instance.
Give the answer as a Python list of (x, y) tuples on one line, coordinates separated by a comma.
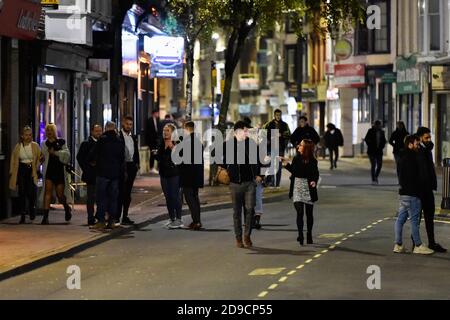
[(56, 156), (304, 178), (170, 177), (25, 160)]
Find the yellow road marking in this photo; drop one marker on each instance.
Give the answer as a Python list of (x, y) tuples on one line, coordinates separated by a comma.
[(308, 261), (332, 247), (331, 235), (266, 272), (351, 236), (337, 242), (273, 286), (357, 232), (369, 226), (300, 266), (290, 273), (344, 239), (282, 279), (363, 229), (324, 251), (263, 294), (317, 255)]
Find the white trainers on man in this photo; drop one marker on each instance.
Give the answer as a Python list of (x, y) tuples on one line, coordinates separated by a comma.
[(399, 249), (177, 224), (422, 249)]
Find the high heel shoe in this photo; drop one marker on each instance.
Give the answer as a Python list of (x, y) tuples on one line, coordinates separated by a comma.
[(309, 239), (300, 239)]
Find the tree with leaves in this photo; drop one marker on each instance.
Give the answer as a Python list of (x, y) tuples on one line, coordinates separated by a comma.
[(243, 18), (194, 20)]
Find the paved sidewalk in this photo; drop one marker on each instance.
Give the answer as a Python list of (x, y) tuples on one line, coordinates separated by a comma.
[(31, 245)]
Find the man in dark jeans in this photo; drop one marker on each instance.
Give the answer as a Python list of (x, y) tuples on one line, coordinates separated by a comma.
[(109, 156), (376, 141), (89, 175), (284, 134), (429, 184), (154, 136), (333, 140), (192, 174), (243, 178), (132, 161)]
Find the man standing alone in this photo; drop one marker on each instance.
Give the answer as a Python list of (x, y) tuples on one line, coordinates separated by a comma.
[(429, 184), (154, 135), (333, 140), (376, 141), (131, 168)]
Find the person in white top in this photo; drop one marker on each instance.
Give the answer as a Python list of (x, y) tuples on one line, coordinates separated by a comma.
[(25, 161)]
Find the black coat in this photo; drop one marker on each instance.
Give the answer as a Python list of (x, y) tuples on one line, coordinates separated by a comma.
[(307, 132), (427, 169), (136, 158), (109, 156), (308, 170), (89, 172), (409, 174), (234, 168), (192, 175), (371, 140), (334, 140), (154, 134), (397, 140), (285, 134), (167, 168)]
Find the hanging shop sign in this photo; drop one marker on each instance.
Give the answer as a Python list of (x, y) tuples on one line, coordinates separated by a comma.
[(343, 49), (389, 77), (20, 18), (54, 4), (248, 82), (167, 56), (440, 78), (408, 76), (350, 75)]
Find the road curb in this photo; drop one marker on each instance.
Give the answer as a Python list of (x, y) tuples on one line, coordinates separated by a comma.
[(59, 254)]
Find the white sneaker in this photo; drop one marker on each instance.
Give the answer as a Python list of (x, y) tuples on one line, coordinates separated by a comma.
[(399, 249), (177, 224), (155, 171), (168, 222), (422, 250)]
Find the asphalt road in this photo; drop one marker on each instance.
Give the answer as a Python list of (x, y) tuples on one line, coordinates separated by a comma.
[(353, 231)]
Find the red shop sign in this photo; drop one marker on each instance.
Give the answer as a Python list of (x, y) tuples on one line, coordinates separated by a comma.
[(20, 18), (350, 75)]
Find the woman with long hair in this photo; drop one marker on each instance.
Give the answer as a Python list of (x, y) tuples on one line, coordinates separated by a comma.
[(23, 172), (304, 178), (56, 156), (170, 177)]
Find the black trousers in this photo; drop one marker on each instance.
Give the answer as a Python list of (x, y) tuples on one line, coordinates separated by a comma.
[(26, 189), (193, 202), (376, 163), (334, 155), (125, 188), (301, 207), (428, 208), (90, 202)]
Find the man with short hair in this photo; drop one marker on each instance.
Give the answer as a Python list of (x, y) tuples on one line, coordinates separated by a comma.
[(132, 165), (192, 174), (89, 174), (376, 141), (304, 131), (333, 140), (154, 135), (410, 190), (427, 169), (284, 134)]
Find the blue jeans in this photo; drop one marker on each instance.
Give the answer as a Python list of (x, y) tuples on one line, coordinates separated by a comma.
[(172, 193), (409, 207), (259, 198), (107, 194)]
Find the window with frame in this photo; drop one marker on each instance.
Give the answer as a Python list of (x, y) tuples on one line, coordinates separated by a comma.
[(290, 62), (430, 25), (375, 41), (363, 106)]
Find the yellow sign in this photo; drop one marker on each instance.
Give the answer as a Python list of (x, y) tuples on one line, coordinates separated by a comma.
[(50, 2), (299, 106), (222, 85)]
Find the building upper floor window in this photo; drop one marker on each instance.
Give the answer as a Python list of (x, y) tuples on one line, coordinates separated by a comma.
[(375, 41), (431, 25)]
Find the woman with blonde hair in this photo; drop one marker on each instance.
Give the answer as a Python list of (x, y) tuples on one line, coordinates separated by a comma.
[(56, 156), (23, 172)]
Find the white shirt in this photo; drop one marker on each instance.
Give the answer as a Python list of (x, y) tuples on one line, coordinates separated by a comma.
[(129, 146), (26, 154)]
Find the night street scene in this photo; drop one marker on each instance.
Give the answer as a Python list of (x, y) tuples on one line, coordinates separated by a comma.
[(226, 156)]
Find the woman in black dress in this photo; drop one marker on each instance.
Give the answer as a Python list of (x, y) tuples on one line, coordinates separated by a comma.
[(56, 156), (304, 178)]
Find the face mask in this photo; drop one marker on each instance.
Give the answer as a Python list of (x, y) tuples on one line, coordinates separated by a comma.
[(429, 145)]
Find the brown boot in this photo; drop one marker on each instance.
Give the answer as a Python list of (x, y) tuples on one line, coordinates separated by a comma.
[(239, 243), (247, 242)]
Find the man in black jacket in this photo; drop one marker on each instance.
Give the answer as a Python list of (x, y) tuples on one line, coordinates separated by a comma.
[(89, 175), (244, 170), (192, 174), (109, 156), (397, 141), (304, 131), (130, 142), (333, 140), (284, 133), (410, 190), (426, 167), (154, 135), (376, 141)]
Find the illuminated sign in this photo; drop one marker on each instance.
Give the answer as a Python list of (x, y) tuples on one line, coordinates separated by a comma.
[(129, 54), (167, 55), (50, 3)]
